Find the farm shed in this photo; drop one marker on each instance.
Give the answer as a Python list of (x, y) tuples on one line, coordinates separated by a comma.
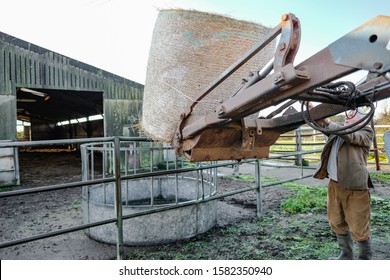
[(60, 98)]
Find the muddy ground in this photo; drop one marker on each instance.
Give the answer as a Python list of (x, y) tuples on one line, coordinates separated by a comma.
[(34, 214)]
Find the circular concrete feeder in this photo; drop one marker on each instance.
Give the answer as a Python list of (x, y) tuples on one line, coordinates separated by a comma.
[(151, 194)]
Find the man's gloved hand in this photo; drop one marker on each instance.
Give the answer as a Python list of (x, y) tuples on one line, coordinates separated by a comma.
[(325, 121)]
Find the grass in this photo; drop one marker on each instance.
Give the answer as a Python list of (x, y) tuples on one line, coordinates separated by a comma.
[(251, 179), (306, 199), (297, 231), (380, 214), (382, 158), (245, 178), (272, 237), (380, 178)]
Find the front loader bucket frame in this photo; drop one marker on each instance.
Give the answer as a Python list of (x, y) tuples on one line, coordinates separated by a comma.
[(230, 134)]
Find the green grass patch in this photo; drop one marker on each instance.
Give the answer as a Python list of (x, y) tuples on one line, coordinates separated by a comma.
[(252, 179), (382, 158), (271, 238), (307, 199), (245, 178), (380, 212), (300, 232), (380, 178)]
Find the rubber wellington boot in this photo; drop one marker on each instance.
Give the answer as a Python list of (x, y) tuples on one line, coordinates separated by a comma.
[(365, 252), (346, 246)]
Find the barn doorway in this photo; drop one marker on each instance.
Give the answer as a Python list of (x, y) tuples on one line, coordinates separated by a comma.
[(49, 114)]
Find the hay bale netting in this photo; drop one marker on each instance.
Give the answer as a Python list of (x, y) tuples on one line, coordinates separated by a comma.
[(189, 50)]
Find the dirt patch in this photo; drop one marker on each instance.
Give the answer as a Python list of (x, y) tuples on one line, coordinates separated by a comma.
[(44, 212)]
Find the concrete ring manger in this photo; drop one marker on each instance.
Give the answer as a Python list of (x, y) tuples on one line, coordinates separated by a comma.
[(146, 194)]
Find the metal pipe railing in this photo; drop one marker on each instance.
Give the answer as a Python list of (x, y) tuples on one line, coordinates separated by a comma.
[(117, 178), (118, 198)]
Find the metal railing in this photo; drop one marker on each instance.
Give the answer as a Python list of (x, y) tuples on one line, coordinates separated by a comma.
[(117, 177)]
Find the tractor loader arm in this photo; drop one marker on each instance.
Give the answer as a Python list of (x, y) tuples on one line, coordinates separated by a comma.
[(230, 132)]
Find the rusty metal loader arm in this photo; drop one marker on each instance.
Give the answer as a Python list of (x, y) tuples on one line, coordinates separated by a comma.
[(229, 132)]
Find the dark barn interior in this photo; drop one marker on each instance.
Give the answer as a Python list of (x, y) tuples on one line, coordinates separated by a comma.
[(60, 114)]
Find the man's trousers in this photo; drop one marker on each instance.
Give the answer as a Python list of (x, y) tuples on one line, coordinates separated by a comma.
[(349, 210)]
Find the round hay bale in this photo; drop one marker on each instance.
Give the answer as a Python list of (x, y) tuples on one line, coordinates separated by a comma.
[(189, 50)]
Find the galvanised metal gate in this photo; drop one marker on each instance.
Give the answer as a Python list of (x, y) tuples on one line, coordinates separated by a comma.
[(117, 178)]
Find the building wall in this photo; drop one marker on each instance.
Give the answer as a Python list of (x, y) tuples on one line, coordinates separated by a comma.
[(23, 64), (26, 65)]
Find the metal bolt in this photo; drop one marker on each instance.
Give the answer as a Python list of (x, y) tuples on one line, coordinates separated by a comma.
[(377, 65), (221, 110), (278, 77), (284, 17), (282, 46)]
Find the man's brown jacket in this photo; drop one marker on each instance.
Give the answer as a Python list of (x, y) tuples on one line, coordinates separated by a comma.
[(352, 158)]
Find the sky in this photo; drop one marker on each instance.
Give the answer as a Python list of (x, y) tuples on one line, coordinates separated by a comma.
[(115, 35)]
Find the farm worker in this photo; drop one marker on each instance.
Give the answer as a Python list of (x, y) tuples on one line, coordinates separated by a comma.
[(343, 161)]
